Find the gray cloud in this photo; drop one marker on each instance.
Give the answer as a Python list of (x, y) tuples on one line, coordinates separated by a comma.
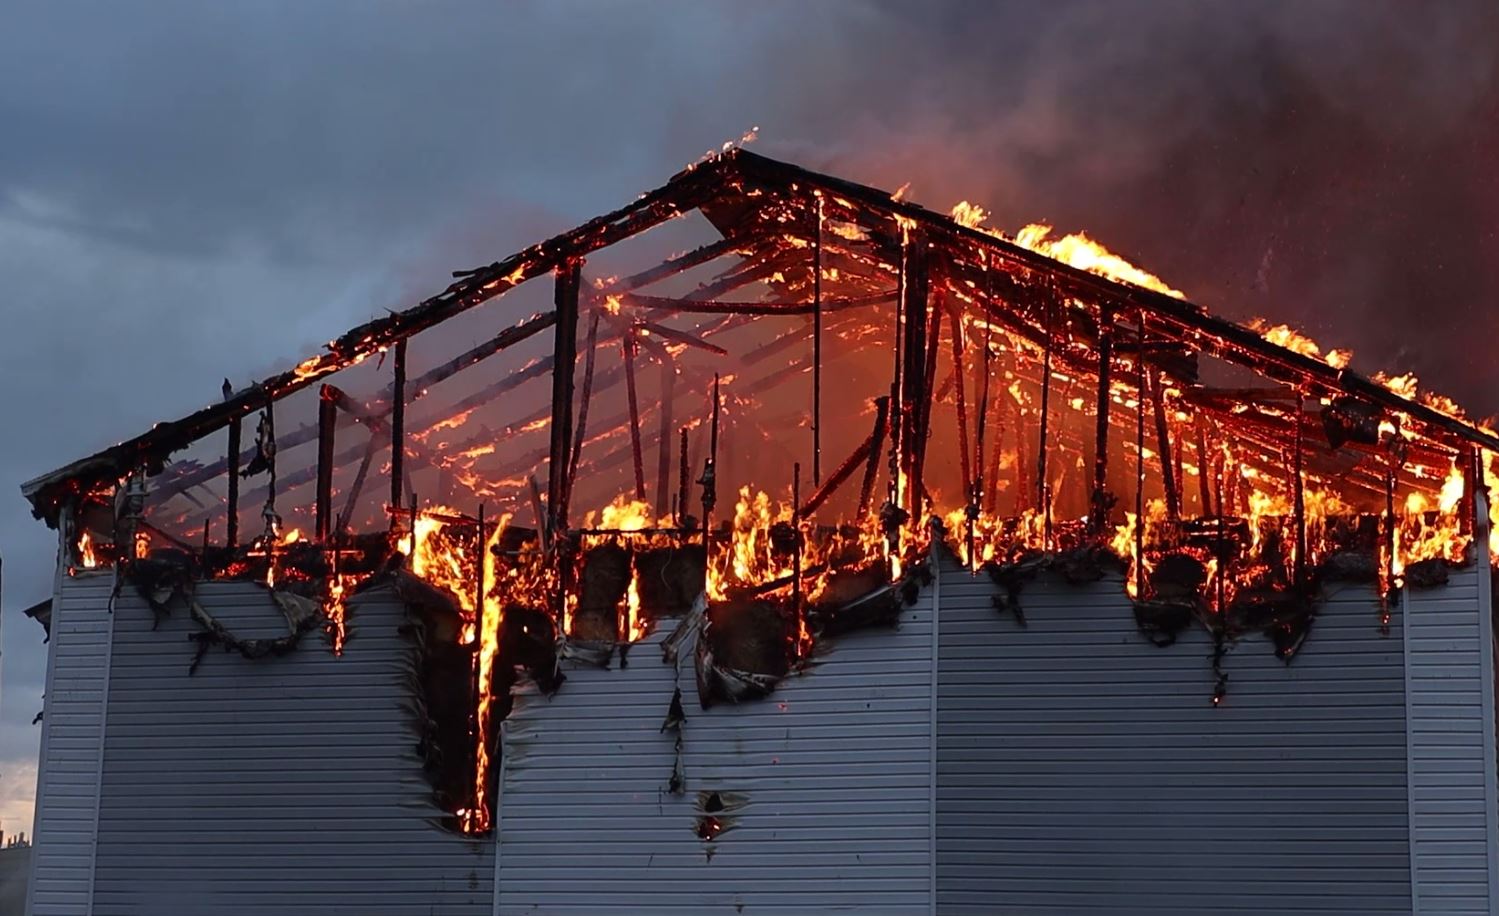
[(197, 191)]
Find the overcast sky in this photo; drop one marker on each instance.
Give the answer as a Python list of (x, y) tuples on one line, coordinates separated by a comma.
[(191, 191)]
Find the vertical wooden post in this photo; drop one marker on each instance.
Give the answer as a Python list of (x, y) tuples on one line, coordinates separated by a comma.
[(1203, 485), (232, 459), (1043, 485), (682, 474), (627, 347), (1299, 568), (327, 420), (959, 368), (1140, 459), (564, 356), (817, 345), (913, 375), (1099, 514), (663, 459), (1169, 479), (398, 428)]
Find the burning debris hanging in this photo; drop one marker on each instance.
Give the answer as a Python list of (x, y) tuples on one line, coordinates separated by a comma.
[(1031, 401)]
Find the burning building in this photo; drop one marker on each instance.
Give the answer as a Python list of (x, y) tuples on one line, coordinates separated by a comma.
[(801, 550)]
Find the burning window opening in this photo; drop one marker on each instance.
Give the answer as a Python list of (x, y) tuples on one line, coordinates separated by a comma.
[(859, 379)]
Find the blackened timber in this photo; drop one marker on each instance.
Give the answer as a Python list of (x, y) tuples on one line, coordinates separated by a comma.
[(843, 472), (682, 476), (1139, 560), (1169, 479), (665, 306), (327, 416), (924, 405), (1202, 465), (673, 266), (1099, 514), (817, 344), (627, 349), (876, 446), (1298, 485), (913, 369), (231, 460), (352, 500), (1043, 485), (959, 371), (564, 356), (398, 425), (683, 337)]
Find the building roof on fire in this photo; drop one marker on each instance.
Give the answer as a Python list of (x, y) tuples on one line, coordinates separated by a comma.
[(766, 212)]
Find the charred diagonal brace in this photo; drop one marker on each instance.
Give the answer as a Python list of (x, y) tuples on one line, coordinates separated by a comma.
[(840, 475), (582, 430), (683, 337), (876, 445)]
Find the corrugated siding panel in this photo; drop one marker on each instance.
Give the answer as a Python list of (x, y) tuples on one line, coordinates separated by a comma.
[(1451, 757), (284, 785), (834, 768), (1082, 770), (67, 797)]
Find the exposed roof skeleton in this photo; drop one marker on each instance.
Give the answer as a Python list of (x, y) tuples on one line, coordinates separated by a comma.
[(742, 179)]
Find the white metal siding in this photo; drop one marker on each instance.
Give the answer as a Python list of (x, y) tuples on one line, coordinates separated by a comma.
[(1082, 770), (67, 792), (834, 767), (1451, 744), (285, 785)]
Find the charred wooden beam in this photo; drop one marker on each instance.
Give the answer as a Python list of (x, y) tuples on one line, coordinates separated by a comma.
[(564, 355), (1298, 484), (357, 486), (682, 262), (682, 476), (327, 416), (817, 346), (683, 337), (1169, 478), (859, 456), (1043, 484), (398, 425), (231, 459), (959, 371), (1101, 501), (667, 306)]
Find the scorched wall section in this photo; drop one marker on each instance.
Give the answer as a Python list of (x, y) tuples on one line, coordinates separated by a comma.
[(285, 785), (825, 788), (1082, 770)]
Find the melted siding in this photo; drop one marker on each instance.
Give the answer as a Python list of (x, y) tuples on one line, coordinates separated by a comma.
[(1451, 744), (287, 785), (834, 771), (1082, 770), (67, 794)]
